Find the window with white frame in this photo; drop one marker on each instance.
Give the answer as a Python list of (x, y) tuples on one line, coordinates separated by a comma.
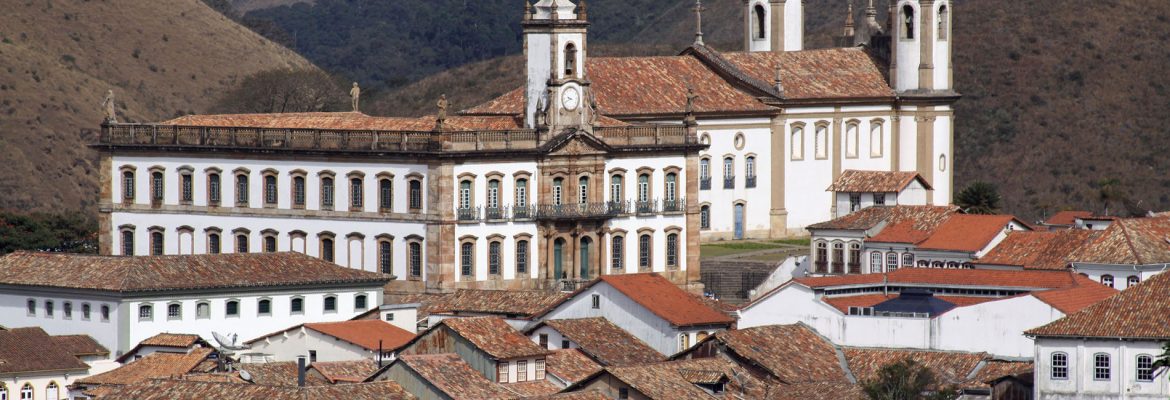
[(1107, 280), (174, 311), (618, 255), (521, 192), (643, 188), (558, 191), (1145, 368), (493, 193), (330, 305), (705, 217), (521, 371), (1102, 370), (296, 305), (502, 371), (145, 312), (1132, 281), (203, 310), (583, 190), (907, 260), (264, 307), (891, 261), (875, 262), (539, 375)]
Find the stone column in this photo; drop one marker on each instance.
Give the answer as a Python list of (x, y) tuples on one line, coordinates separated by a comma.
[(925, 156), (779, 158), (106, 204), (926, 42), (440, 239), (693, 235), (776, 34)]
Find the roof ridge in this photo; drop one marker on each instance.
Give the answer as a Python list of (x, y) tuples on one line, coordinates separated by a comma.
[(719, 64), (1129, 242)]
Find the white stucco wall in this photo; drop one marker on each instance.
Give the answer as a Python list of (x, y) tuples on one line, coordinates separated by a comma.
[(297, 343), (757, 136), (1081, 384)]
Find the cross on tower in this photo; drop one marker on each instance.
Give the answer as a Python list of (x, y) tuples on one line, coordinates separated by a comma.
[(699, 21)]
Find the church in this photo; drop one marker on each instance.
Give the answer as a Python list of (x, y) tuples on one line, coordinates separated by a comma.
[(595, 166)]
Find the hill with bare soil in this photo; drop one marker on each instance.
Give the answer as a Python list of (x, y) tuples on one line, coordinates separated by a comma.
[(161, 58)]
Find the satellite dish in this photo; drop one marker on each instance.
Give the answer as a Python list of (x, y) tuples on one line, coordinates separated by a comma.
[(226, 343), (245, 375)]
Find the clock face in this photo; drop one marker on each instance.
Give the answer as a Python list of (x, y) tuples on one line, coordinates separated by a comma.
[(570, 98)]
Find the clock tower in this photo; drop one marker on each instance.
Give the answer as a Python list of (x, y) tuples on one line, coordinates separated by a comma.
[(557, 94)]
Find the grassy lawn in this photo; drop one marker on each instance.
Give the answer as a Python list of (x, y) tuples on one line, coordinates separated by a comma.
[(732, 248), (775, 257), (795, 242)]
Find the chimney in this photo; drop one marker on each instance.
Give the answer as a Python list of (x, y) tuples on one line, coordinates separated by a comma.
[(301, 371)]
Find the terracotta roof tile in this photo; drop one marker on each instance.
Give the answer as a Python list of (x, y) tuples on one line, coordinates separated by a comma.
[(200, 390), (191, 272), (666, 300), (1072, 299), (357, 122), (922, 217), (346, 371), (969, 233), (803, 74), (995, 369), (365, 333), (875, 181), (282, 373), (595, 394), (451, 375), (1138, 312), (80, 345), (668, 380), (27, 350), (1128, 241), (791, 353), (1067, 217), (571, 365), (949, 367), (820, 391), (495, 337), (176, 340), (532, 388), (951, 277), (521, 303), (1038, 250), (153, 366), (606, 342)]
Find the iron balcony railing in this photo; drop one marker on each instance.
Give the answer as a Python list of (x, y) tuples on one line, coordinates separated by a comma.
[(607, 209), (705, 183), (749, 182), (729, 182), (467, 214), (672, 205), (494, 213)]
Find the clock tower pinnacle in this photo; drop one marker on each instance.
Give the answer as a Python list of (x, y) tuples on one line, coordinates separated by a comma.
[(557, 93)]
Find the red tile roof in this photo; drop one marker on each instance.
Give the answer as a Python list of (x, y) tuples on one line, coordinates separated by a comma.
[(792, 353), (666, 300), (571, 365), (365, 333), (451, 375), (346, 371), (949, 367), (969, 233), (951, 277), (283, 373), (522, 303), (27, 351), (820, 391), (80, 345), (1067, 217), (875, 181), (191, 272), (495, 337), (1128, 241), (915, 226), (1138, 312), (1072, 299), (669, 380), (532, 388), (804, 76), (176, 340), (170, 389), (924, 217), (153, 366), (360, 122), (1038, 250), (605, 342)]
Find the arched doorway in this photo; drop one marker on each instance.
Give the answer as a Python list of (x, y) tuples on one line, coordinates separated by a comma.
[(559, 259), (586, 245)]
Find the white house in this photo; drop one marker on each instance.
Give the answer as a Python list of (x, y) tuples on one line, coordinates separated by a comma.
[(855, 190), (1107, 350), (938, 309), (1127, 252), (121, 301), (39, 366), (328, 342), (178, 343), (855, 243)]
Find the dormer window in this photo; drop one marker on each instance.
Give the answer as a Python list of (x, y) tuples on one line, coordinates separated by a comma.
[(570, 60)]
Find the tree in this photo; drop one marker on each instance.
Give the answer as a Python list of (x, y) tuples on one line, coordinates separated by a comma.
[(979, 198), (1163, 362), (285, 91), (66, 232), (906, 380)]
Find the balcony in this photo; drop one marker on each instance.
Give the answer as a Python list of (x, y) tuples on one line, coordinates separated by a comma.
[(644, 207), (729, 182), (854, 268), (821, 267), (467, 214), (838, 267), (705, 183), (670, 206), (575, 211), (749, 182), (522, 213), (494, 213), (603, 210)]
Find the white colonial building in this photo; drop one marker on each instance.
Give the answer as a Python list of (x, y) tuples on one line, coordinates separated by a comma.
[(121, 301)]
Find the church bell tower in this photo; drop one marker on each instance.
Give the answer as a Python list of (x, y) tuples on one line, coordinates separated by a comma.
[(773, 25), (921, 35), (557, 94)]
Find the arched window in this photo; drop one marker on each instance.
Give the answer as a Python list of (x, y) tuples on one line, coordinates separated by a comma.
[(943, 23), (821, 257), (851, 140), (875, 262), (749, 171), (672, 250), (494, 257), (202, 310), (907, 260), (797, 143), (327, 248), (952, 265), (385, 194), (213, 243), (52, 391), (26, 392), (671, 187), (644, 188), (31, 307), (705, 217), (705, 173), (156, 243), (242, 190), (174, 311), (145, 312), (1131, 281), (105, 313), (570, 60), (127, 242), (876, 139), (330, 305), (1145, 368), (213, 189), (821, 141), (360, 302), (1102, 368), (49, 308), (355, 194), (157, 187), (386, 256), (297, 305), (558, 191), (644, 252), (298, 183), (583, 190), (521, 257), (464, 194), (242, 243), (907, 22), (760, 20), (618, 253), (270, 243), (1107, 280), (232, 308), (466, 258), (936, 264), (415, 250), (854, 258), (128, 185), (416, 194), (86, 311), (264, 307), (838, 258), (270, 196), (923, 264), (521, 192), (1059, 365), (327, 194), (728, 168), (615, 188), (186, 186)]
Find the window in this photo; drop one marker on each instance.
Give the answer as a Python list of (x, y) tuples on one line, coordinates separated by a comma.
[(851, 138), (415, 194), (891, 261), (544, 341), (822, 257), (672, 250), (570, 59), (360, 302), (415, 250), (942, 165), (242, 190), (1101, 367), (854, 202), (875, 262), (539, 369), (502, 372), (521, 257), (85, 311), (213, 243), (466, 258), (385, 194), (854, 258), (386, 256), (617, 259), (213, 189), (521, 192), (156, 243), (270, 243), (157, 187), (105, 313), (270, 196), (327, 195), (838, 257), (145, 312), (728, 173), (596, 299), (297, 306), (1132, 281), (749, 169), (26, 392), (494, 258), (264, 307), (558, 191), (671, 187), (327, 248), (389, 316), (127, 242), (355, 194), (521, 371), (128, 186), (797, 143), (907, 260), (49, 308), (705, 174), (876, 145), (760, 20), (644, 188), (493, 194), (174, 311), (52, 391), (241, 243), (821, 141), (464, 194), (1107, 280), (186, 188), (298, 195), (1145, 368), (3, 391), (583, 190), (312, 356), (624, 393), (879, 199), (684, 341), (203, 310), (330, 304), (232, 308), (644, 252), (908, 22), (943, 23), (705, 217)]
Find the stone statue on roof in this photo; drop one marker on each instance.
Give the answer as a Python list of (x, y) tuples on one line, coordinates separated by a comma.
[(355, 94), (691, 97), (443, 104), (108, 104)]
